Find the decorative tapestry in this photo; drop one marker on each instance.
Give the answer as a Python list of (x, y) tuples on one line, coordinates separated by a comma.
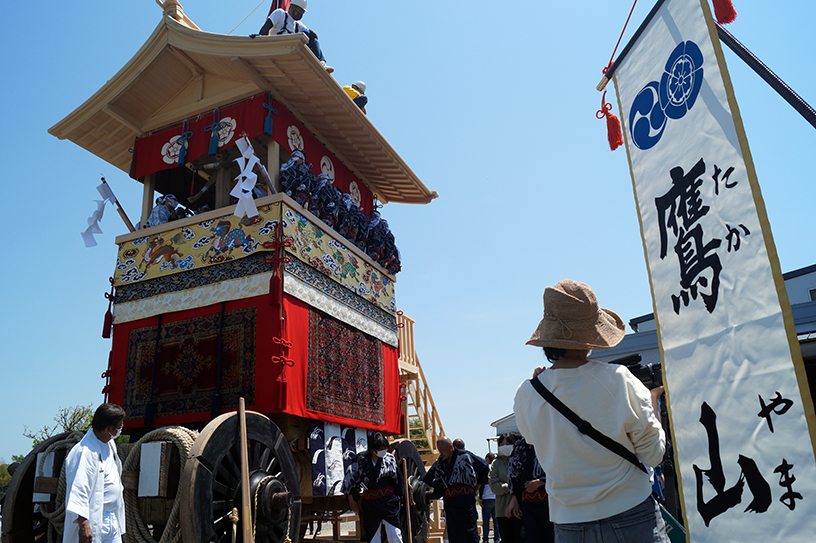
[(187, 365), (346, 371)]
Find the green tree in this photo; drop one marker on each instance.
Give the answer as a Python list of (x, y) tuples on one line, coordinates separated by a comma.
[(68, 419), (5, 478)]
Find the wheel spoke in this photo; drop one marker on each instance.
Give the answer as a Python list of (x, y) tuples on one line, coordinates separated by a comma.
[(233, 466), (223, 489), (256, 454), (264, 459)]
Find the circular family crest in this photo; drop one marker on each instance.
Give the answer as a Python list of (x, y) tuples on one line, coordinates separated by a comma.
[(646, 118), (327, 167), (682, 80), (671, 98), (227, 131), (354, 190), (295, 139), (170, 150)]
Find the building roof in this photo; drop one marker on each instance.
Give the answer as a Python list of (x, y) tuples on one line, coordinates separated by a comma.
[(800, 272), (182, 72)]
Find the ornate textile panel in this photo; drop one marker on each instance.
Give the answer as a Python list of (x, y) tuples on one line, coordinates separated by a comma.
[(195, 246), (187, 364), (198, 277), (346, 372), (331, 257), (340, 311), (327, 286), (193, 298)]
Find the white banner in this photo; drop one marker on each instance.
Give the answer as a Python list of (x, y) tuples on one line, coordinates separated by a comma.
[(730, 355)]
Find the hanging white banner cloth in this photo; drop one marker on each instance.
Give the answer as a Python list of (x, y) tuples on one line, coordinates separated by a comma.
[(246, 180), (737, 391), (93, 221)]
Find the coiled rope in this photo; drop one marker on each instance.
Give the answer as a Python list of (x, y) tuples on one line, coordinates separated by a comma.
[(56, 514), (137, 529)]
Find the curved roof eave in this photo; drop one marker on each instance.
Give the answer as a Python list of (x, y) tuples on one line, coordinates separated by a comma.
[(180, 73)]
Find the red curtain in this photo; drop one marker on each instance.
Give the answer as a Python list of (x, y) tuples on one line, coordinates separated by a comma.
[(269, 388), (157, 152), (297, 332)]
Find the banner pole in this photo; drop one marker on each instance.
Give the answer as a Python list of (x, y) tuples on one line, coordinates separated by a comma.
[(788, 94)]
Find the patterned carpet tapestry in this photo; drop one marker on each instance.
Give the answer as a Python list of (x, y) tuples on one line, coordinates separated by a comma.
[(186, 373), (346, 371)]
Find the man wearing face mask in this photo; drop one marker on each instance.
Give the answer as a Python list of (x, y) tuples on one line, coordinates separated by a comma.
[(287, 21), (499, 479), (373, 486), (165, 211), (94, 507)]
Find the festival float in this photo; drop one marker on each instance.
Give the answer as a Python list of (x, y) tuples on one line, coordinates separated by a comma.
[(282, 302)]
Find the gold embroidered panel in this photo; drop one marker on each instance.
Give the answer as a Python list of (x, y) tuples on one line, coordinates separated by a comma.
[(332, 257), (218, 249)]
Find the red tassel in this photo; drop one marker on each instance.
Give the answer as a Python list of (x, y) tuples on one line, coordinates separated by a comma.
[(613, 126), (106, 327), (613, 131), (108, 324), (724, 11), (274, 290)]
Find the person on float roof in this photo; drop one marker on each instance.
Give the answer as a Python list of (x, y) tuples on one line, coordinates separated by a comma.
[(282, 21)]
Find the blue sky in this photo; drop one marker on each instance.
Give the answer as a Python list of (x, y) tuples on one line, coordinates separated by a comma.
[(492, 105)]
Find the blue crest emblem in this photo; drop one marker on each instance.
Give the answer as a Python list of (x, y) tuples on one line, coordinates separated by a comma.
[(671, 98)]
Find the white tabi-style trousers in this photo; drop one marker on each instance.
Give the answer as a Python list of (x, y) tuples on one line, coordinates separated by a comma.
[(110, 527), (392, 533)]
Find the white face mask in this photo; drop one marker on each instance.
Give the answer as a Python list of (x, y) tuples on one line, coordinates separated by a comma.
[(505, 450), (382, 453), (117, 434)]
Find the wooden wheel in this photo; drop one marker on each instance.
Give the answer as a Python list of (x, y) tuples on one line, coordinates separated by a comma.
[(22, 520), (419, 507), (211, 483)]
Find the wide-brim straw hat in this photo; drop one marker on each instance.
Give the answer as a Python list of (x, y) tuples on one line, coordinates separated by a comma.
[(573, 320)]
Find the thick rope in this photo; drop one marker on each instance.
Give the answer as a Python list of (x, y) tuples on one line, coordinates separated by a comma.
[(137, 529), (56, 514)]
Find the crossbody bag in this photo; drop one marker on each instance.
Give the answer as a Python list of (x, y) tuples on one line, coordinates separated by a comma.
[(585, 427)]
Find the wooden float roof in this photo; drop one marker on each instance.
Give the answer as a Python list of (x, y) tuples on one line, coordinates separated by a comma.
[(181, 72)]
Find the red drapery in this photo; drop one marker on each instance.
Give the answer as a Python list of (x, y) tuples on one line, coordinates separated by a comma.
[(160, 151), (268, 386)]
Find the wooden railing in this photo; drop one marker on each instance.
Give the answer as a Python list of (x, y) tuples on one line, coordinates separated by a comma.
[(420, 403)]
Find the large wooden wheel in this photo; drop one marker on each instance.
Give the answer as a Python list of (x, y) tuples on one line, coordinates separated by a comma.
[(211, 483), (419, 508), (22, 520)]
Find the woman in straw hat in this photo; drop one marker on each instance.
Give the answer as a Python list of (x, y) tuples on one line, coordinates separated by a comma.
[(595, 495)]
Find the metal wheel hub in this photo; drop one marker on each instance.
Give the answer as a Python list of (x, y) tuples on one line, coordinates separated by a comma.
[(274, 500)]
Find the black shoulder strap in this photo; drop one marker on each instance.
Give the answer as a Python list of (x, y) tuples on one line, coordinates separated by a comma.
[(585, 427), (285, 23)]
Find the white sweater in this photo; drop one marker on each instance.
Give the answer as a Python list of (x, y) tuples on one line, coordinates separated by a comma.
[(586, 481)]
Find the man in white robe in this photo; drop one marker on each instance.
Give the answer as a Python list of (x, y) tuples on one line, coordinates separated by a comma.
[(94, 506)]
